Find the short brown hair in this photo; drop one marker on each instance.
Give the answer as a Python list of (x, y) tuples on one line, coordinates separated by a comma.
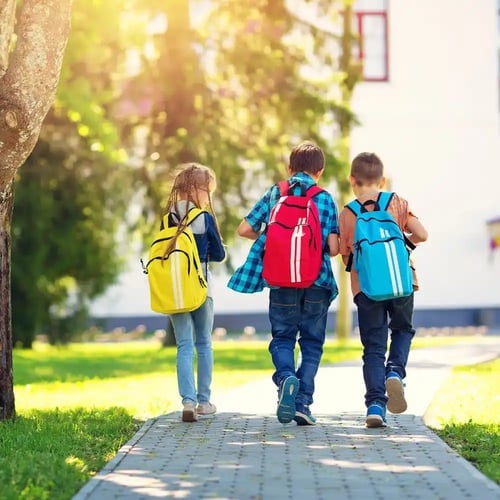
[(367, 168), (307, 157)]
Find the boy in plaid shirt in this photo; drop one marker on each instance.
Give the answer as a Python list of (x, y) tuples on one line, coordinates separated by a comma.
[(293, 311)]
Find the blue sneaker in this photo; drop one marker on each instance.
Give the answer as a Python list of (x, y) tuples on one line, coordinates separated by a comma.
[(395, 392), (286, 399), (303, 415), (375, 415)]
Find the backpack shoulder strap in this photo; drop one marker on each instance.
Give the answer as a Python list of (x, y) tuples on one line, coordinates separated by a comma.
[(313, 191), (283, 187), (165, 222), (384, 200), (355, 207), (193, 213)]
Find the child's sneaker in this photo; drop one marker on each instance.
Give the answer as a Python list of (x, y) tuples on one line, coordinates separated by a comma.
[(206, 409), (303, 415), (375, 415), (286, 399), (395, 393), (189, 413)]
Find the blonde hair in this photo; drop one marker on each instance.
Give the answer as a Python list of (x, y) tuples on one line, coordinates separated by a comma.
[(189, 178)]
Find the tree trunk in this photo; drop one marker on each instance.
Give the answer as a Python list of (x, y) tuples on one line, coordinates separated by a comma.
[(28, 80), (343, 321), (7, 406), (352, 71)]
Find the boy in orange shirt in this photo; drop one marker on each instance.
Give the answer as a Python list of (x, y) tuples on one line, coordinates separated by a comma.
[(375, 318)]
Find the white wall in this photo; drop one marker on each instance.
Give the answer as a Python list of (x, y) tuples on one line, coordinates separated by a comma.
[(435, 125)]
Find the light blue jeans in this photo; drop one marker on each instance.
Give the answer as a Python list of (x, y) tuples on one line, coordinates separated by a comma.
[(194, 330)]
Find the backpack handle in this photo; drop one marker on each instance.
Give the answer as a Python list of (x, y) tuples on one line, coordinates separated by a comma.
[(285, 189), (376, 206)]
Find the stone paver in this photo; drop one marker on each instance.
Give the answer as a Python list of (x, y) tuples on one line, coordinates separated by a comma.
[(245, 453)]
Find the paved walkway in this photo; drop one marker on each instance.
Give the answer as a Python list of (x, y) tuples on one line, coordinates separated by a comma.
[(244, 453)]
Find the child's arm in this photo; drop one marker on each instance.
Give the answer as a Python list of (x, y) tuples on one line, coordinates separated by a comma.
[(333, 244), (417, 232), (251, 226), (216, 248), (246, 231)]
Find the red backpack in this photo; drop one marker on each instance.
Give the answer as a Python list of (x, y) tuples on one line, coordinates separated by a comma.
[(293, 250)]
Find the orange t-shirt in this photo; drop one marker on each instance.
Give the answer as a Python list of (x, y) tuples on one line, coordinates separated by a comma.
[(399, 209)]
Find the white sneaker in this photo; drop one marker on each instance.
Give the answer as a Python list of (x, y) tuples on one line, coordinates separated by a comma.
[(395, 393), (206, 409)]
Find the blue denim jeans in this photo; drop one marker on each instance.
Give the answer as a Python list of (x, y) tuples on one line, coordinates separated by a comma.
[(193, 330), (298, 312), (375, 318)]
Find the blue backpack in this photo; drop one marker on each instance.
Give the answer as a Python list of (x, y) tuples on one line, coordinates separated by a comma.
[(381, 253)]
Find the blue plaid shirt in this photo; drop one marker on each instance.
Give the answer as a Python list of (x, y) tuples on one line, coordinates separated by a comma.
[(248, 277)]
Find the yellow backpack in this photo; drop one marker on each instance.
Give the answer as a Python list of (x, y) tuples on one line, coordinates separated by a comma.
[(176, 281)]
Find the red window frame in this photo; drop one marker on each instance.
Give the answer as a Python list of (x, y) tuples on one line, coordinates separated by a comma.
[(360, 17)]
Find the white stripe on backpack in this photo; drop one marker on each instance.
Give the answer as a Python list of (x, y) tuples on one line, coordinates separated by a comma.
[(295, 251), (392, 262), (176, 280)]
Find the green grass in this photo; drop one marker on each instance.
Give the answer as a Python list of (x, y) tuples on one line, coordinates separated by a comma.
[(465, 414), (51, 454), (77, 405)]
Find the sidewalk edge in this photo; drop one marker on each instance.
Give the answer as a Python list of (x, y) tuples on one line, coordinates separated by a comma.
[(86, 490)]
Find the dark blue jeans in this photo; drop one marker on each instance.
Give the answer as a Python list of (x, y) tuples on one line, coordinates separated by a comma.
[(298, 312), (375, 318)]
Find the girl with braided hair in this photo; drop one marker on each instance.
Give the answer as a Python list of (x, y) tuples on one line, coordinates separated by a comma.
[(193, 186)]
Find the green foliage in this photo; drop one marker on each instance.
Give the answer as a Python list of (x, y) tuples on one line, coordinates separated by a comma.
[(236, 91), (91, 76), (68, 208), (74, 190)]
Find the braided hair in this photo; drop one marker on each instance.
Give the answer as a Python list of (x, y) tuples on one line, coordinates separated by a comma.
[(189, 178)]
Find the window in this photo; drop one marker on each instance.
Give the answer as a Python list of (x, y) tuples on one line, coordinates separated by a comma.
[(371, 25)]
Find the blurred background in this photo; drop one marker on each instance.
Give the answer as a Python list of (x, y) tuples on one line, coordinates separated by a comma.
[(235, 84)]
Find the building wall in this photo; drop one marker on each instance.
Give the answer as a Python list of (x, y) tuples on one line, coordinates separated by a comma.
[(435, 124)]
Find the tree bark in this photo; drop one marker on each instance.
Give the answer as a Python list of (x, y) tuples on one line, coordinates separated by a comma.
[(27, 88), (7, 405), (28, 80), (7, 13)]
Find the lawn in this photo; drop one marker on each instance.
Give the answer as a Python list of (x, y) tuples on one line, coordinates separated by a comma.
[(78, 405), (466, 414)]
